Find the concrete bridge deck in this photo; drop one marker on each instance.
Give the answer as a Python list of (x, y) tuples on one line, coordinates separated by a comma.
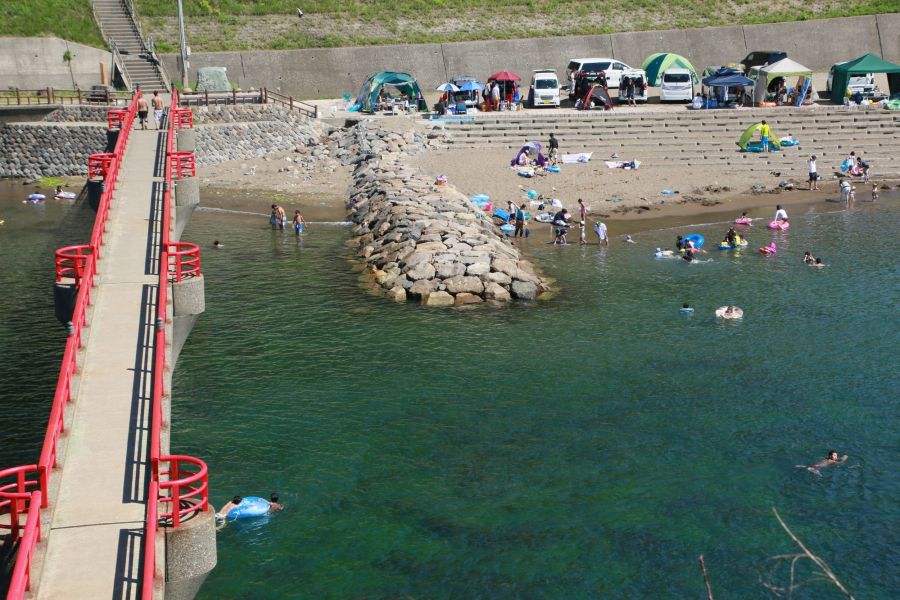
[(95, 539)]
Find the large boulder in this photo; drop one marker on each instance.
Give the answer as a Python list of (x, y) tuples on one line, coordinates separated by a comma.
[(478, 268), (421, 271), (466, 298), (524, 290), (445, 270), (438, 299), (497, 277), (397, 293), (495, 291), (423, 287), (464, 283)]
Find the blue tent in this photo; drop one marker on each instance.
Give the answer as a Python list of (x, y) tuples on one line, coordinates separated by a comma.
[(368, 95)]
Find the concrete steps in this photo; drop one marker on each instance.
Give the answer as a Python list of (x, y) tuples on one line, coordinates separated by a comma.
[(119, 28)]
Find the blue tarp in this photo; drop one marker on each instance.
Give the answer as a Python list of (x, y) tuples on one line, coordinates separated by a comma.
[(724, 79)]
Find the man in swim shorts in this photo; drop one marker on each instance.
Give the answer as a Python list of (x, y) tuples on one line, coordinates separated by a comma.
[(157, 109), (143, 107), (298, 223)]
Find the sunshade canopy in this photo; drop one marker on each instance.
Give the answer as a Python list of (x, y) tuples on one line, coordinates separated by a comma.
[(726, 78), (656, 64), (504, 76), (368, 95), (783, 68), (868, 63)]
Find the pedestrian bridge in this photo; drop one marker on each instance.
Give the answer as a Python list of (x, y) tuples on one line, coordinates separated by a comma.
[(107, 511)]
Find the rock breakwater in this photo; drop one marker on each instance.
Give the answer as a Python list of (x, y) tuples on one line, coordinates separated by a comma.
[(422, 241)]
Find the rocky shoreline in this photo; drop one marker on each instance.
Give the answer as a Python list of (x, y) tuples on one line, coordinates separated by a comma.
[(422, 241)]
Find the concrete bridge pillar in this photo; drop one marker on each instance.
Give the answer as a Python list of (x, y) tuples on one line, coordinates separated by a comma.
[(187, 197), (188, 303), (190, 555), (186, 140), (95, 187)]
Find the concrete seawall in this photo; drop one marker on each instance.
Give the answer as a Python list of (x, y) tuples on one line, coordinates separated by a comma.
[(330, 72), (37, 62)]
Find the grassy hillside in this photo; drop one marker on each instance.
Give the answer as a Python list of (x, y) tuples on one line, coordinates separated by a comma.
[(273, 24), (67, 19)]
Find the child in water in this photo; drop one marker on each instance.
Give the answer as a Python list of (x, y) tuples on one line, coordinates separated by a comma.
[(831, 459), (808, 258)]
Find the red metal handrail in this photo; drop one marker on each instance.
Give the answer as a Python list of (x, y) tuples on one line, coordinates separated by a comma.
[(183, 260), (21, 575), (182, 163), (182, 118), (72, 261), (98, 164), (192, 490), (115, 117), (14, 495)]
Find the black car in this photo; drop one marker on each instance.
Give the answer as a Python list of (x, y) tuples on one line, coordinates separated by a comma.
[(759, 58)]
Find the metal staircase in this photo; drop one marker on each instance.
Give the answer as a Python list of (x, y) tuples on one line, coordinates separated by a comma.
[(133, 57)]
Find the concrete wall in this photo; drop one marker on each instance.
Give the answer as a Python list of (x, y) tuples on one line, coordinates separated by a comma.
[(37, 62), (328, 73)]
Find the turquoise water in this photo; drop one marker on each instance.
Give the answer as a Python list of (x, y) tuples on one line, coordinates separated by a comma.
[(588, 447), (31, 339)]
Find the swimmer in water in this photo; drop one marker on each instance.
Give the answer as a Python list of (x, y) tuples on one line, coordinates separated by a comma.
[(819, 264), (236, 501), (628, 240), (686, 308), (808, 258), (831, 459), (217, 244)]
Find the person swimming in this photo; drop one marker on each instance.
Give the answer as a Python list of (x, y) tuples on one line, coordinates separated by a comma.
[(819, 264), (808, 258), (831, 459), (731, 237), (686, 309)]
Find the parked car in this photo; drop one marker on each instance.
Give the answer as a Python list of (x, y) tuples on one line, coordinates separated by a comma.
[(544, 88), (676, 86), (863, 85), (759, 58), (610, 67), (640, 85)]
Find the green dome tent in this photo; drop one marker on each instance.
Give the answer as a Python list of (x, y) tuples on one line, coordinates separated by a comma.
[(868, 63), (656, 64), (368, 95)]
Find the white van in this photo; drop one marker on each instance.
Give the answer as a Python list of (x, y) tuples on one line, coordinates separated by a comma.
[(544, 89), (610, 67), (676, 86), (639, 76)]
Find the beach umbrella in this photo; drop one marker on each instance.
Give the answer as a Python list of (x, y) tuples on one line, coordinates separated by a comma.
[(447, 87), (504, 76), (656, 64), (471, 86)]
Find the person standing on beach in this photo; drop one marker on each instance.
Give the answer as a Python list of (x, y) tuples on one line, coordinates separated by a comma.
[(143, 109), (298, 223), (764, 133), (495, 96), (813, 175), (554, 149), (157, 109), (520, 221)]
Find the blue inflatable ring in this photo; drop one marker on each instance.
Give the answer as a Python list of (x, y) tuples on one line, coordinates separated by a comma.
[(696, 238), (250, 506)]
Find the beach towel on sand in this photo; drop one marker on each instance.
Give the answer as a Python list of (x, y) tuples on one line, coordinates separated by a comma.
[(580, 157)]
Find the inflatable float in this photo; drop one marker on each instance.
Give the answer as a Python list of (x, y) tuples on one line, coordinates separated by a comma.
[(686, 310), (544, 218), (736, 313), (508, 228), (779, 225), (65, 196), (36, 197), (769, 250), (696, 238), (250, 506), (552, 169), (743, 221), (739, 242)]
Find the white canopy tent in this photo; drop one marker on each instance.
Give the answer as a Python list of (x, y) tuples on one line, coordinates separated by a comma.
[(783, 68)]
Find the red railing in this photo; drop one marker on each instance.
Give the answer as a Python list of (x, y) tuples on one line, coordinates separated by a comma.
[(115, 119), (184, 260), (182, 164), (177, 260), (72, 262), (21, 575), (98, 164), (186, 490), (83, 267)]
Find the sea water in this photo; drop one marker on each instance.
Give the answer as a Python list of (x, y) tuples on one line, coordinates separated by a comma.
[(590, 446)]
